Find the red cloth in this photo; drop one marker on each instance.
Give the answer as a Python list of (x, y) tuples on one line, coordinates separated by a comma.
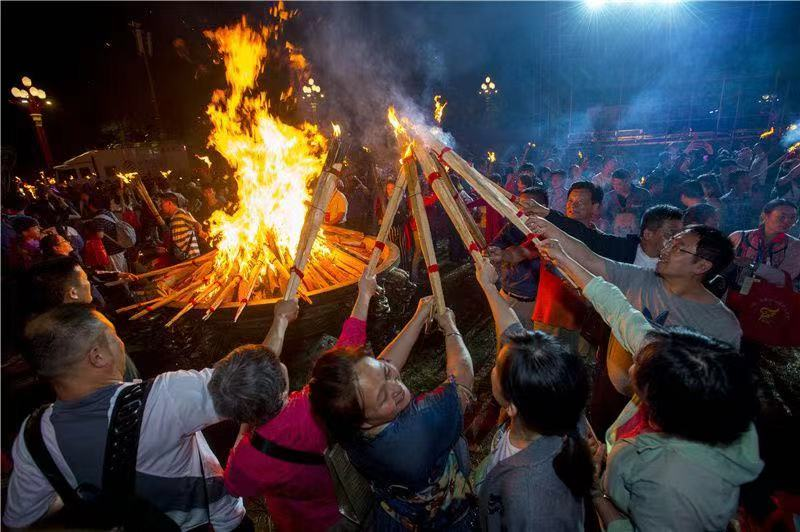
[(94, 254), (299, 497), (637, 424), (557, 303)]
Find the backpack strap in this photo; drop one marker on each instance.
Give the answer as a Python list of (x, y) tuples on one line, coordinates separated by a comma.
[(280, 452), (122, 442), (34, 441)]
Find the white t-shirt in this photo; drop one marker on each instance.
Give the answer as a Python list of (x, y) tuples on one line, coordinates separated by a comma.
[(169, 472), (643, 260), (501, 448)]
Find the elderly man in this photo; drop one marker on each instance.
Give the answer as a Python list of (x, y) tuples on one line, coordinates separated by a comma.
[(174, 472)]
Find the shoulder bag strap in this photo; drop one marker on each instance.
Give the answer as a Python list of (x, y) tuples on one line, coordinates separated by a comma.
[(280, 452), (34, 441), (122, 443)]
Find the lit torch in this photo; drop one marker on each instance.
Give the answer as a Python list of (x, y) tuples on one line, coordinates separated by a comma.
[(130, 178), (767, 133), (205, 158), (438, 108)]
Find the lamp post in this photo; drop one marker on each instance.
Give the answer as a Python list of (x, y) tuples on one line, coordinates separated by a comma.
[(34, 99), (488, 90), (313, 94)]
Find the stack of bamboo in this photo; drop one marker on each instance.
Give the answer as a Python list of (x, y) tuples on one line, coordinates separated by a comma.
[(196, 284), (132, 179)]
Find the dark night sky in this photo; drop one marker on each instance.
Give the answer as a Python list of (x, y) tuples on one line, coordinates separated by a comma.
[(84, 56)]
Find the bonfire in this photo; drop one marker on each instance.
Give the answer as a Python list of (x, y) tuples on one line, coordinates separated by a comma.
[(273, 245)]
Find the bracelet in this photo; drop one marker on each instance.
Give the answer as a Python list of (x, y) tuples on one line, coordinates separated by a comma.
[(452, 334)]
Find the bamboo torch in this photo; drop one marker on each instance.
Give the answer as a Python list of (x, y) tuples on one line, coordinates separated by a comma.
[(435, 180), (132, 179), (314, 218), (388, 216), (424, 233), (477, 234)]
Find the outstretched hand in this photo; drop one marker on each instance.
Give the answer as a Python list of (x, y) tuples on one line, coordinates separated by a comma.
[(287, 309), (485, 272), (551, 250), (542, 227), (447, 321), (424, 308), (367, 285)]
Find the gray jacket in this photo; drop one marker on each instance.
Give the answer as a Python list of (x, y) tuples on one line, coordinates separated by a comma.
[(523, 492)]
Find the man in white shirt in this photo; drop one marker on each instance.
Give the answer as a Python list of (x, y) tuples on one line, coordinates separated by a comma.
[(78, 351)]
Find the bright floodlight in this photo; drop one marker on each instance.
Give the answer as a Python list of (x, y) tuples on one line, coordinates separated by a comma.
[(26, 81), (42, 94), (23, 94), (16, 93), (594, 5), (488, 79), (310, 81), (33, 91)]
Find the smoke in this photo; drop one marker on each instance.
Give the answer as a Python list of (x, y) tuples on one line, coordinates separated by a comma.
[(369, 57)]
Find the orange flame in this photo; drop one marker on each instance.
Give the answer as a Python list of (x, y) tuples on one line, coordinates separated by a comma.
[(794, 147), (490, 155), (205, 158), (767, 133), (274, 163), (337, 130), (127, 178), (395, 122), (438, 108)]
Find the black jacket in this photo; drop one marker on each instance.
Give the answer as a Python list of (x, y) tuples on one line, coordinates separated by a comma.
[(618, 248)]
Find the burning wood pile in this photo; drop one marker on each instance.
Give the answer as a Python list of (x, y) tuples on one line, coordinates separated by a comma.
[(269, 247)]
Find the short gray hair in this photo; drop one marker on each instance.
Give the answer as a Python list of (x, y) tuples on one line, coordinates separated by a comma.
[(58, 339), (248, 384)]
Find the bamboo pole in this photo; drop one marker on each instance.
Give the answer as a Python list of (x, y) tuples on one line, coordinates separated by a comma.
[(388, 218), (194, 301), (168, 299), (314, 217), (194, 262), (431, 172), (475, 231), (424, 233), (233, 283)]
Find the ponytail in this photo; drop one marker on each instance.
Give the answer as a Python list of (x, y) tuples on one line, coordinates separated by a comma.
[(573, 465)]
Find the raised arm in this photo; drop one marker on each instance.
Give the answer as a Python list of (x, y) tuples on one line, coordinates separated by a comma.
[(354, 330), (459, 361), (573, 247), (285, 313), (629, 325), (504, 316), (398, 349)]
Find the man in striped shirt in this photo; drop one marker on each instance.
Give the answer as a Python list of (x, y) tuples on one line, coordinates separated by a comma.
[(185, 231)]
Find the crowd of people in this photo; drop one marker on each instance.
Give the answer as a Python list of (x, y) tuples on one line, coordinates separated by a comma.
[(626, 396)]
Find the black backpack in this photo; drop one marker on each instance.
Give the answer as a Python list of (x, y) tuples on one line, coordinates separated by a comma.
[(116, 504)]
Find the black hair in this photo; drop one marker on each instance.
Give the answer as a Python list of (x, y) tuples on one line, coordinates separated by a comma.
[(696, 387), (654, 217), (710, 180), (539, 194), (622, 174), (778, 202), (528, 167), (48, 243), (595, 191), (528, 180), (15, 201), (544, 170), (99, 201), (714, 247), (22, 223), (549, 386), (558, 171), (691, 188), (50, 280), (699, 214)]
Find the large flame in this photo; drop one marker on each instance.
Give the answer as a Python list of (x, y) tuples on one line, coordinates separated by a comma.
[(273, 162)]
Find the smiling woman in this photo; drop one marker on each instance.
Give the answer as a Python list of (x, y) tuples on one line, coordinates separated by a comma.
[(410, 449)]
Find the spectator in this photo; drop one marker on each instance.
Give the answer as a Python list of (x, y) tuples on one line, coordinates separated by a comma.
[(679, 454), (602, 178), (691, 193), (539, 467), (185, 232), (584, 202), (711, 190), (557, 191), (409, 448), (737, 205), (54, 245), (625, 198), (672, 295), (673, 179), (654, 183), (210, 202), (664, 163), (726, 168), (94, 253), (758, 168), (78, 351), (58, 281), (519, 265), (104, 227), (336, 212), (769, 252), (701, 214), (24, 248), (296, 484)]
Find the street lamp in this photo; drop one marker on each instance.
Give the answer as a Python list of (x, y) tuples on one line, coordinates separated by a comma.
[(313, 93), (488, 87), (33, 98)]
